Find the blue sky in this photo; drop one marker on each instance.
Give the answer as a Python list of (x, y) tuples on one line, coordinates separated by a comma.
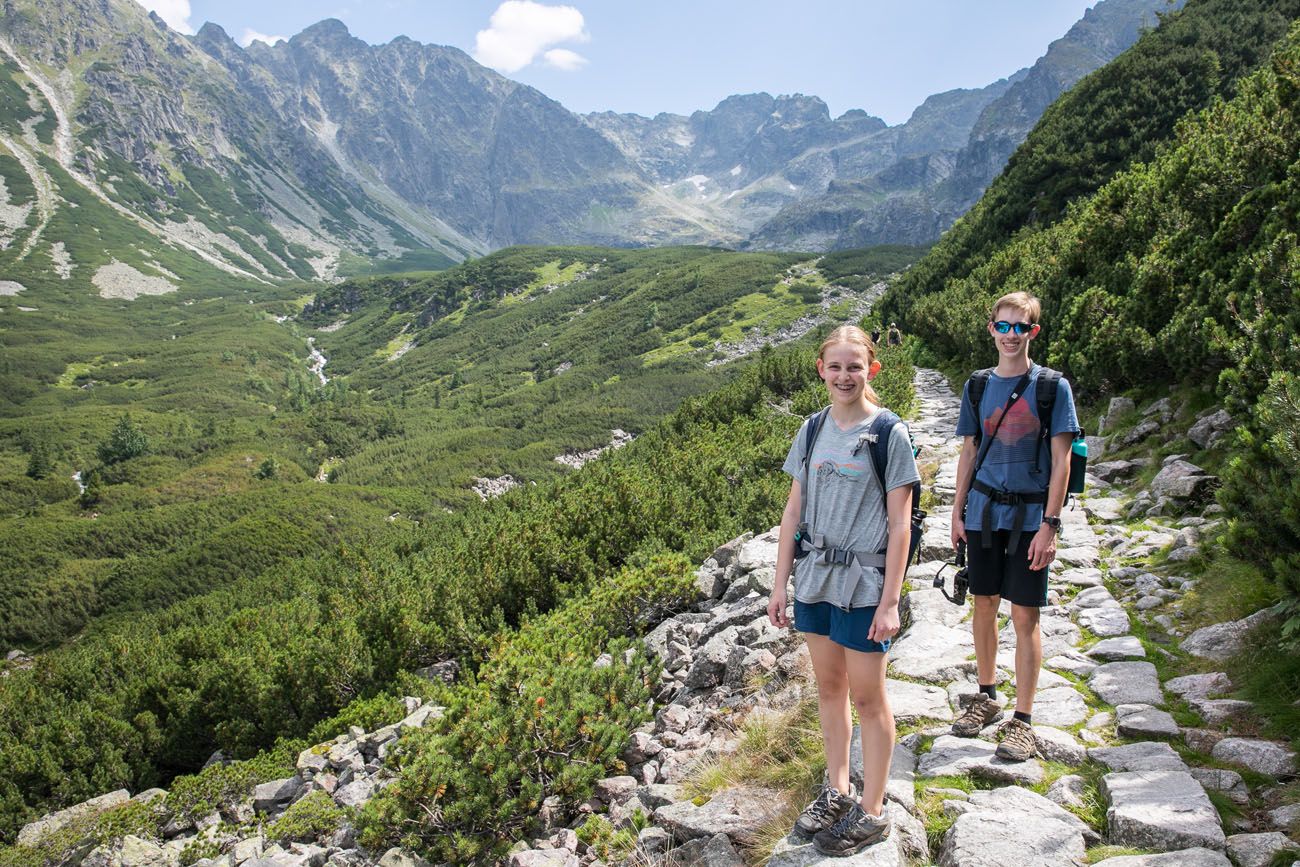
[(679, 56)]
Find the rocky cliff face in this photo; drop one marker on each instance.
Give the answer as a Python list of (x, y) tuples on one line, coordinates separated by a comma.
[(962, 164), (278, 162)]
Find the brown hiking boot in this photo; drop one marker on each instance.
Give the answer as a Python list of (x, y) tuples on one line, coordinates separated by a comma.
[(1018, 741), (981, 711)]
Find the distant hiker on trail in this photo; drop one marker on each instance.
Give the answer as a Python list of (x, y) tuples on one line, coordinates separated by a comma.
[(875, 337), (1018, 421), (894, 336), (844, 535)]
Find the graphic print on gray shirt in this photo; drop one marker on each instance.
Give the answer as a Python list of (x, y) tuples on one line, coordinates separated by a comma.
[(846, 505)]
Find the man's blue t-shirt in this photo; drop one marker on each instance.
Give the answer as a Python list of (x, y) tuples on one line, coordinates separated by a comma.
[(1018, 460)]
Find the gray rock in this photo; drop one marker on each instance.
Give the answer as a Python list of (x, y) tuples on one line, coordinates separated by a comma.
[(1142, 756), (1161, 810), (1126, 683), (615, 790), (953, 756), (739, 813), (1217, 711), (1118, 406), (1074, 663), (1285, 817), (1224, 640), (396, 857), (1197, 857), (654, 840), (1257, 850), (1084, 577), (1211, 429), (758, 551), (726, 555), (1058, 745), (1140, 431), (268, 796), (913, 702), (1265, 757), (1228, 782), (130, 851), (544, 858), (1199, 685), (34, 831), (1012, 825), (1060, 706), (1104, 508), (710, 582), (1142, 721), (932, 652), (1181, 480), (1115, 649), (715, 851), (1106, 620), (738, 613), (355, 793), (709, 665), (1068, 791), (762, 580)]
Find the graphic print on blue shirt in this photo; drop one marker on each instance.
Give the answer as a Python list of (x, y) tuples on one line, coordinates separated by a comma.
[(1014, 461)]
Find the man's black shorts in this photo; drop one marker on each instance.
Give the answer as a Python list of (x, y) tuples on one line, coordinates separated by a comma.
[(998, 572)]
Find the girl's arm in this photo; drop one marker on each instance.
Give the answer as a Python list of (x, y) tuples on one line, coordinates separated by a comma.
[(776, 603), (886, 622)]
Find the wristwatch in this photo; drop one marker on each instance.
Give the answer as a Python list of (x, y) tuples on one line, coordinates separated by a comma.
[(1052, 521)]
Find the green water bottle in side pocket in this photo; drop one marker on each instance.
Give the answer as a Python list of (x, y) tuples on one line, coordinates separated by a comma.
[(1078, 463)]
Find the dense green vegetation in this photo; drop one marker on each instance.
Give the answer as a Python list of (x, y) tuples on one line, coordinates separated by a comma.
[(1116, 116), (1180, 269), (515, 359), (270, 656)]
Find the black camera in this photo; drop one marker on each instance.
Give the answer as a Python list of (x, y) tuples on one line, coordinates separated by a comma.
[(960, 578)]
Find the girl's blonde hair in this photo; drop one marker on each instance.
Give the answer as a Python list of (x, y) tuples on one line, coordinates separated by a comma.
[(853, 334)]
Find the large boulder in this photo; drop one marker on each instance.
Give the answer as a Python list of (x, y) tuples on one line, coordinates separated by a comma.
[(1181, 480), (31, 833), (739, 813), (1224, 640)]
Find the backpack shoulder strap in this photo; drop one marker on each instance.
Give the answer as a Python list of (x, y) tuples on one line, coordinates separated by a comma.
[(811, 430), (882, 428), (1048, 380), (975, 386)]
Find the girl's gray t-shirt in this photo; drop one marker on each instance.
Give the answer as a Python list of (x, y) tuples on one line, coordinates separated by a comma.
[(847, 506)]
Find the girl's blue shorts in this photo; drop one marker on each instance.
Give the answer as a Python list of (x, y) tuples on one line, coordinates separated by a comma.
[(846, 628)]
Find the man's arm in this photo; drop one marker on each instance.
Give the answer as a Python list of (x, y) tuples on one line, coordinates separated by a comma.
[(1042, 549)]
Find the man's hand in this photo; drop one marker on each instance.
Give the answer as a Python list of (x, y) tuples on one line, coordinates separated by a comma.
[(776, 614), (958, 531), (884, 625), (1042, 548)]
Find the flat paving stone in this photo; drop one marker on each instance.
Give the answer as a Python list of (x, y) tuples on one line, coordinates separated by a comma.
[(1012, 825), (1142, 756), (1058, 745), (950, 755), (912, 702), (1060, 706), (1127, 683), (1197, 857), (1223, 780), (1073, 663), (1084, 556), (932, 652), (1081, 577), (1116, 649), (1160, 810), (1143, 721), (1106, 620)]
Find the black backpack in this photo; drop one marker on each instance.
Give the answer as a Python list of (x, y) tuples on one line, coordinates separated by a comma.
[(877, 437)]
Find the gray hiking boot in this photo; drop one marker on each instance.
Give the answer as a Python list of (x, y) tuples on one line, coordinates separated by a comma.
[(1018, 741), (825, 810), (981, 711), (854, 832)]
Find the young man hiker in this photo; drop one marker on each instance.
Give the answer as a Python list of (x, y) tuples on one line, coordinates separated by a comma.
[(1011, 487)]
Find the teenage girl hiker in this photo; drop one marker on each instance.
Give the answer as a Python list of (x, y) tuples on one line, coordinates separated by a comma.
[(848, 612)]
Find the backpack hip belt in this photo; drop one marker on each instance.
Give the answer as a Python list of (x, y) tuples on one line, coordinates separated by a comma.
[(1004, 498), (854, 560)]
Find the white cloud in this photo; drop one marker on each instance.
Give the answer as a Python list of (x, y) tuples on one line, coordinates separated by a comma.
[(563, 58), (175, 12), (520, 30), (250, 36)]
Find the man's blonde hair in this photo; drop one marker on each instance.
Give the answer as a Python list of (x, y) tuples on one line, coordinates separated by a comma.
[(1021, 302)]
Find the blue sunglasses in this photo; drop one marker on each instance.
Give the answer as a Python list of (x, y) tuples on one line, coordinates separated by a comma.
[(1002, 326)]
